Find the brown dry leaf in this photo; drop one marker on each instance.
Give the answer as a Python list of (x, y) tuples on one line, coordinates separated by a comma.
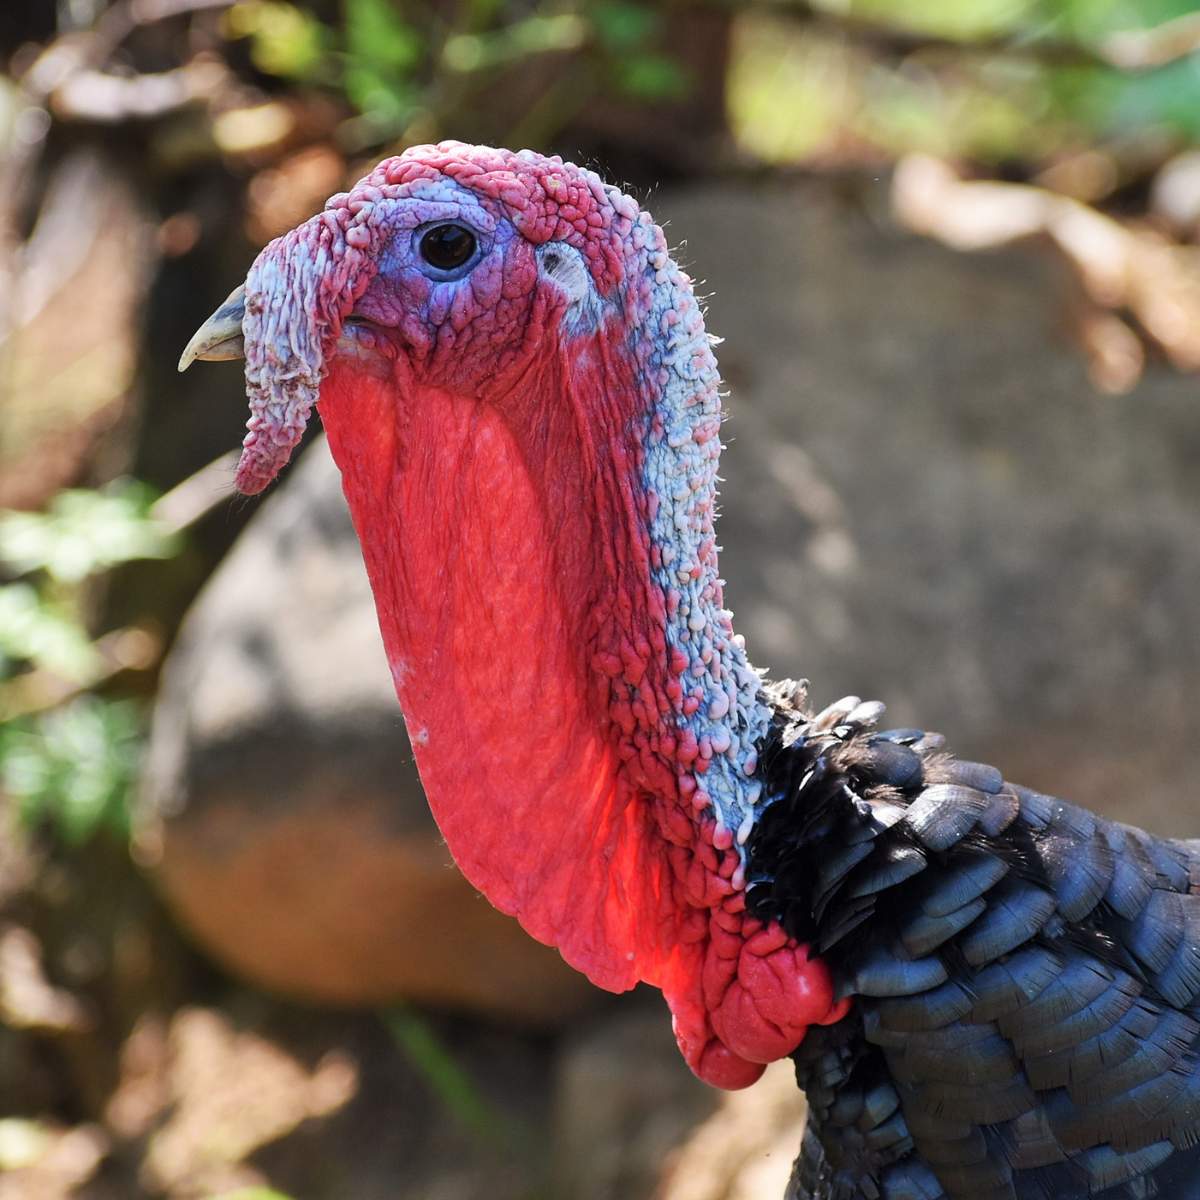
[(27, 999), (231, 1092), (744, 1151), (1088, 175), (143, 1089), (1119, 267), (41, 1162)]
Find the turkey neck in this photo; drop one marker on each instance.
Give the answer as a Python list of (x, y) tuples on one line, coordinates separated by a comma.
[(545, 571)]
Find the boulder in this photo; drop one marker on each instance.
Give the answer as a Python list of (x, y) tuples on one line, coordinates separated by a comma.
[(927, 503)]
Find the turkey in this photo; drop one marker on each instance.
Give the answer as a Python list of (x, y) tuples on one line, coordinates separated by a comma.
[(987, 992)]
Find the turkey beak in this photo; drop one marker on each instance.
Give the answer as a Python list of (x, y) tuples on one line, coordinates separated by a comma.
[(220, 337)]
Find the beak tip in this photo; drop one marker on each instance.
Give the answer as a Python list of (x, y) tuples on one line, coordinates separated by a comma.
[(220, 337)]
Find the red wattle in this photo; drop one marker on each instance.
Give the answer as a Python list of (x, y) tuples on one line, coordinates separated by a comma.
[(486, 634), (746, 997)]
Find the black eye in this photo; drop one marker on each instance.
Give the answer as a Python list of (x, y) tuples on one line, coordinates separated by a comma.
[(447, 246)]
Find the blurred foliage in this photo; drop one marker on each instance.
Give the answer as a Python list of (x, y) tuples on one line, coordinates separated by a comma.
[(382, 51), (69, 758), (406, 66), (825, 82), (997, 80), (85, 532), (74, 767), (286, 41), (990, 80)]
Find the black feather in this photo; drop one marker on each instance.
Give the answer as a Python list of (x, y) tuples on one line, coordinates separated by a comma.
[(1025, 977)]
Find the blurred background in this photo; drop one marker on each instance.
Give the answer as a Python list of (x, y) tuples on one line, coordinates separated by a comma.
[(952, 248)]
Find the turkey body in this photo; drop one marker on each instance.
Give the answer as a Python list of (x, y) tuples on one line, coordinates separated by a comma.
[(1025, 975)]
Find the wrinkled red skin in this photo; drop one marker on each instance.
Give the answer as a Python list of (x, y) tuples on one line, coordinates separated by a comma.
[(506, 535)]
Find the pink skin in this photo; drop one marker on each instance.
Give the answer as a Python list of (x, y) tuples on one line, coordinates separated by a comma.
[(491, 442)]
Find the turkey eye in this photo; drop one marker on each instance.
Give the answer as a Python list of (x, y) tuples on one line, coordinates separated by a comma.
[(447, 246)]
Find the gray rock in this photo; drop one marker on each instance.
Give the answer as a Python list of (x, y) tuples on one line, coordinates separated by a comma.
[(927, 503)]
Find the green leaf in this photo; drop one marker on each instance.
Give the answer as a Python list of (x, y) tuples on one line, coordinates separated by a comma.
[(1169, 96), (376, 32), (652, 77), (286, 41), (1112, 102), (621, 25), (379, 95), (85, 532), (1089, 20), (74, 768), (468, 52), (33, 630), (382, 53)]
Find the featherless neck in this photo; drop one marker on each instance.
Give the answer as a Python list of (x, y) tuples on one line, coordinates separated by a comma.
[(716, 705)]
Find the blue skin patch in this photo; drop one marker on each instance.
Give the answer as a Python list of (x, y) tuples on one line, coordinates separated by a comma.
[(729, 713)]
